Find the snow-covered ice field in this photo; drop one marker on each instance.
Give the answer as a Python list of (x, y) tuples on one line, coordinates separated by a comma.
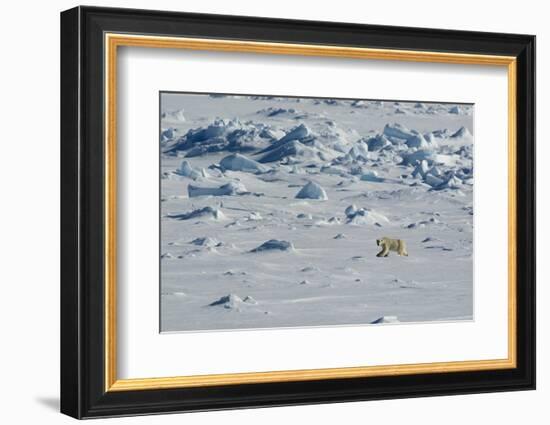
[(271, 207)]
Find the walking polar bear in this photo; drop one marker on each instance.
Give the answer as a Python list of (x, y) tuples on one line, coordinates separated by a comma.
[(387, 245)]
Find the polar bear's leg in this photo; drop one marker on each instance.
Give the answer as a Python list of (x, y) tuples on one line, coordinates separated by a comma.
[(402, 249), (384, 252)]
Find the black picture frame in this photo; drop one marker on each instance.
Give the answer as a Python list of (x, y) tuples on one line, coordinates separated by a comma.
[(83, 392)]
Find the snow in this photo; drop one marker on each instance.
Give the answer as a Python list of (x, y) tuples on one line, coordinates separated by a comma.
[(453, 182), (298, 133), (167, 134), (220, 135), (433, 181), (238, 162), (397, 133), (421, 169), (415, 157), (174, 116), (359, 151), (417, 141), (186, 170), (233, 227), (378, 142), (363, 216), (206, 212), (288, 149), (371, 176), (228, 189), (232, 302), (386, 319), (455, 110), (462, 132), (312, 191), (274, 245), (206, 241)]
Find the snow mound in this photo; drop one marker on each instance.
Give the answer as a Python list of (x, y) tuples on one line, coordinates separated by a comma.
[(206, 241), (449, 160), (238, 162), (297, 133), (300, 133), (385, 319), (397, 133), (430, 239), (312, 191), (418, 156), (350, 211), (177, 115), (364, 216), (338, 171), (186, 170), (249, 300), (327, 142), (371, 176), (337, 138), (220, 135), (274, 111), (233, 302), (417, 141), (310, 269), (452, 182), (274, 245), (455, 110), (330, 222), (293, 148), (167, 134), (254, 216), (441, 134), (271, 133), (206, 212), (461, 133), (359, 151), (228, 189), (430, 138)]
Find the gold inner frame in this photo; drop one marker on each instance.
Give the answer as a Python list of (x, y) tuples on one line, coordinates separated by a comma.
[(113, 41)]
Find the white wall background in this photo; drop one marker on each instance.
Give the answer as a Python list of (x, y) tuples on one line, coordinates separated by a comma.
[(29, 216)]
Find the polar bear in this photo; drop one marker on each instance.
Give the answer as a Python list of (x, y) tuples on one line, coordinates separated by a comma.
[(387, 245)]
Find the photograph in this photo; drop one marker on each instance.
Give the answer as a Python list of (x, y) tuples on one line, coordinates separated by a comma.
[(285, 209), (285, 212)]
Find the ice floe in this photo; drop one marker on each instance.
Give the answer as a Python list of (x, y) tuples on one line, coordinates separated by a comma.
[(312, 191), (238, 162), (186, 170)]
